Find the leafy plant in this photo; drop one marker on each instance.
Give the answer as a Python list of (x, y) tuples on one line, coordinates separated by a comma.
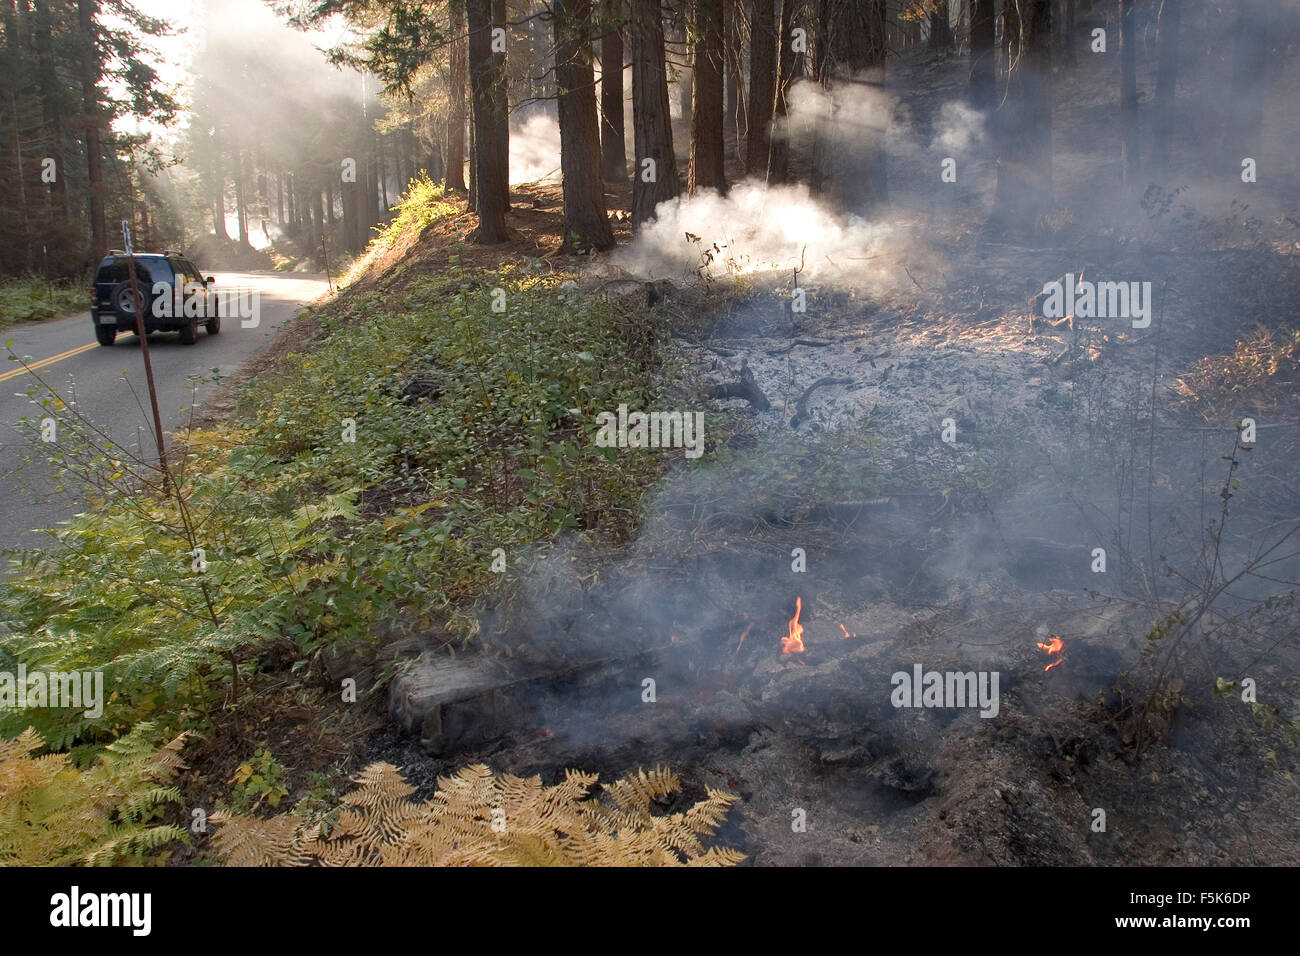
[(258, 779)]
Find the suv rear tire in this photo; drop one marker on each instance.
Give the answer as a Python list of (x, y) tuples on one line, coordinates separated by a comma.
[(105, 334), (213, 325), (122, 301), (190, 332)]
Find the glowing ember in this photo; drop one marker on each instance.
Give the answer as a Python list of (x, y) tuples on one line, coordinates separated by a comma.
[(743, 635), (846, 631), (793, 644), (1054, 646)]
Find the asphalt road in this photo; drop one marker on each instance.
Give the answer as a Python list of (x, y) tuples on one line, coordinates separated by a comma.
[(71, 361)]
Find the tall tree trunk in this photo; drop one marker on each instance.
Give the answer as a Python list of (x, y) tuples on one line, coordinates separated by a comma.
[(1128, 95), (352, 228), (708, 155), (654, 177), (983, 63), (1166, 80), (778, 165), (473, 165), (241, 208), (1011, 39), (940, 27), (686, 81), (762, 87), (314, 234), (586, 225), (1024, 188), (381, 172), (291, 200), (437, 168), (1067, 44), (612, 148), (731, 104), (735, 115), (487, 86), (91, 73), (456, 95), (1251, 70), (218, 186), (279, 199), (50, 106), (850, 164), (501, 17)]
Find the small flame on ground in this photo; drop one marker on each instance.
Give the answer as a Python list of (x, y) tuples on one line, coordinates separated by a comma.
[(1054, 646), (846, 631), (793, 643), (743, 635)]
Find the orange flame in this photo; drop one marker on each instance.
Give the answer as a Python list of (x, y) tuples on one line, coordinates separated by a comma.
[(743, 635), (846, 631), (793, 644), (1054, 646)]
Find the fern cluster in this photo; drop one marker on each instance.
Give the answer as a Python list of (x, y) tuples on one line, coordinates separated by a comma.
[(124, 591), (52, 813), (477, 818)]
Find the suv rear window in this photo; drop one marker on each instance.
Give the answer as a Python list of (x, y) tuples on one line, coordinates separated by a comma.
[(148, 270)]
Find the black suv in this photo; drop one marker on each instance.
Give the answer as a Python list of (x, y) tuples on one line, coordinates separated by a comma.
[(112, 305)]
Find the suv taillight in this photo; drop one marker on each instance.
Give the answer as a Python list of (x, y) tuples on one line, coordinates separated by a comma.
[(94, 298)]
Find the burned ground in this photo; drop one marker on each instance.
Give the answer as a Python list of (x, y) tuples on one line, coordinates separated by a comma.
[(968, 555)]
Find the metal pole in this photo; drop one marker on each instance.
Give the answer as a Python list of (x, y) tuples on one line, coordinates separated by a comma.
[(144, 350), (325, 259)]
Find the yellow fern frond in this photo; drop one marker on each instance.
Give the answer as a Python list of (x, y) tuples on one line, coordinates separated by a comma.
[(476, 818)]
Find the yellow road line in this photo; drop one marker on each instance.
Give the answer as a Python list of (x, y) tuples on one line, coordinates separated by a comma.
[(34, 366)]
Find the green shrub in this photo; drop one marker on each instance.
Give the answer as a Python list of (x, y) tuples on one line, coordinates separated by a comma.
[(30, 298)]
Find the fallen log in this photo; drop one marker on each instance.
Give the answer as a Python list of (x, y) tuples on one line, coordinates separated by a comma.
[(811, 343), (746, 387), (801, 406)]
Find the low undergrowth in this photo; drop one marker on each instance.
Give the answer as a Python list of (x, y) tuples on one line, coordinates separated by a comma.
[(22, 300), (371, 480)]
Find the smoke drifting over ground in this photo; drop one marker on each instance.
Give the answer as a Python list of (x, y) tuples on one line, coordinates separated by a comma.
[(535, 149), (779, 229), (759, 229)]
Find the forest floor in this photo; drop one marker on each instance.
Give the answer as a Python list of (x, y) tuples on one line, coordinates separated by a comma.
[(964, 555)]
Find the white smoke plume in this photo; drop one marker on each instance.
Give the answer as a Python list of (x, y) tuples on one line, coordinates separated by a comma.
[(756, 229), (535, 149)]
